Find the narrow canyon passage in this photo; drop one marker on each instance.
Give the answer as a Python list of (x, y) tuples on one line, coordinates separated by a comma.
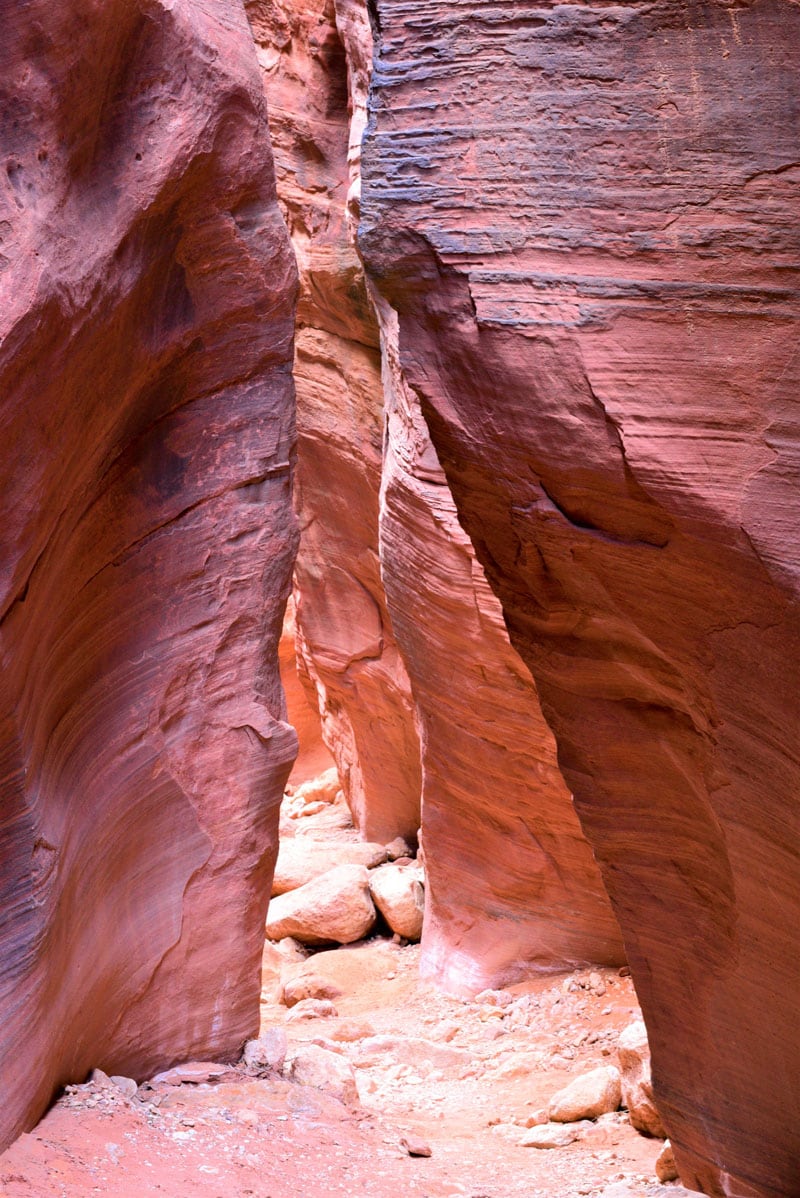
[(399, 606)]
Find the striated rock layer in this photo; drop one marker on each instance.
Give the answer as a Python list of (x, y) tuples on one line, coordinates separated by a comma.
[(346, 647), (585, 218), (147, 538), (511, 881)]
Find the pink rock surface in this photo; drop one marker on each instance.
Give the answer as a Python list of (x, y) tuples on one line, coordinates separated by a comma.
[(347, 650), (147, 539), (589, 233)]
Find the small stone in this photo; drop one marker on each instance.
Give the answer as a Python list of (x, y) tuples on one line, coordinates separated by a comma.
[(666, 1169), (415, 1146), (268, 1052), (193, 1072), (596, 984), (551, 1135), (587, 1096), (537, 1119), (494, 998)]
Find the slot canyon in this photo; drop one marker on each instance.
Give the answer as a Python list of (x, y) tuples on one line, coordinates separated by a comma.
[(399, 598)]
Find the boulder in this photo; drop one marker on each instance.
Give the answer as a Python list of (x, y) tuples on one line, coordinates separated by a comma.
[(400, 898), (637, 1086), (587, 1097), (302, 859), (333, 908), (325, 1070)]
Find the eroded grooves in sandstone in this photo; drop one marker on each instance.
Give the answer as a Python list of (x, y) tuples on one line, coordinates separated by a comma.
[(147, 538), (588, 230), (511, 882)]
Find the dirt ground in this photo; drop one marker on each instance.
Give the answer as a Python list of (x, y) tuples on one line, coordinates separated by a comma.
[(463, 1076)]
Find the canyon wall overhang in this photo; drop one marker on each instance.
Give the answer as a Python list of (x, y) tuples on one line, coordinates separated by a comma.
[(586, 220)]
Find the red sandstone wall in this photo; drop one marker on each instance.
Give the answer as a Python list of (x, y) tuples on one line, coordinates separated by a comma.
[(593, 257), (147, 538)]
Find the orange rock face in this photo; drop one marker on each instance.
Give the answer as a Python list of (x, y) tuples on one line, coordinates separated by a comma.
[(592, 258), (347, 648), (147, 538), (511, 882)]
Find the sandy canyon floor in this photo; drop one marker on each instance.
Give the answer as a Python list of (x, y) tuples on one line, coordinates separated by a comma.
[(462, 1076)]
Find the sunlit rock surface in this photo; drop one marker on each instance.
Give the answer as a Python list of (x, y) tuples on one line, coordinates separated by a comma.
[(586, 220), (147, 538)]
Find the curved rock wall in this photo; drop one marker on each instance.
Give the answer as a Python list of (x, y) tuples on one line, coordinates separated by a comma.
[(589, 234), (511, 882), (147, 538)]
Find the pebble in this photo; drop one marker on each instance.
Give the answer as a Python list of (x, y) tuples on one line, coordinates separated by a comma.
[(415, 1146)]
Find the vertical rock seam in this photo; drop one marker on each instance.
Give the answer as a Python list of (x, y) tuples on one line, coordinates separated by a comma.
[(586, 221), (147, 538)]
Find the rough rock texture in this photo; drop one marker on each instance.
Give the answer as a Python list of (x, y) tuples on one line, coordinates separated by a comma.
[(346, 646), (147, 538), (512, 880), (586, 219)]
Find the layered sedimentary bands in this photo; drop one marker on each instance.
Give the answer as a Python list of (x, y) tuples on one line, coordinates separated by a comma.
[(511, 882), (147, 538), (585, 219)]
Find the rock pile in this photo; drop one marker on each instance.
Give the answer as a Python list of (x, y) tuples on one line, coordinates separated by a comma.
[(329, 887)]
